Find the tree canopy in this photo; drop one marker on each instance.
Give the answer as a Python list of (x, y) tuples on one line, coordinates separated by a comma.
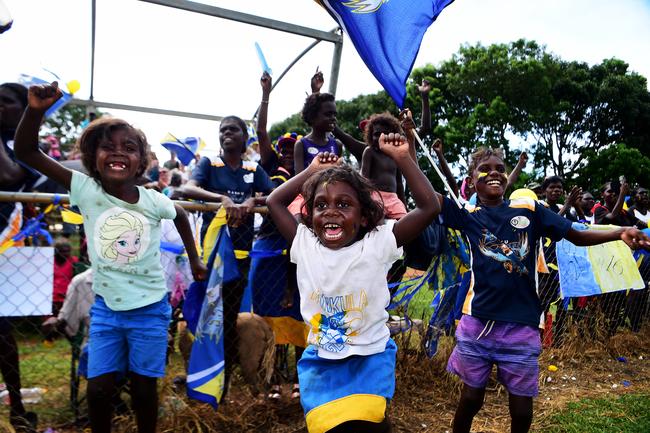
[(569, 116)]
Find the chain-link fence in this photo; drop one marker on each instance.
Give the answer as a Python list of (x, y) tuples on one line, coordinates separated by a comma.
[(42, 338)]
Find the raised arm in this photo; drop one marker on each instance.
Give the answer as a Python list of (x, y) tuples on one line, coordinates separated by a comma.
[(426, 202), (633, 237), (199, 271), (619, 202), (266, 150), (282, 196), (521, 164), (317, 81), (425, 124), (438, 148), (354, 146), (298, 157), (408, 126), (366, 163), (39, 99), (571, 200)]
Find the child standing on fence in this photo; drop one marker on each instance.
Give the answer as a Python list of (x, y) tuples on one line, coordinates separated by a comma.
[(380, 168), (129, 319), (347, 373), (502, 310)]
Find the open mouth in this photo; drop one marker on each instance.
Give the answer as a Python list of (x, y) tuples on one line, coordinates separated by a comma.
[(333, 232), (493, 182), (117, 166)]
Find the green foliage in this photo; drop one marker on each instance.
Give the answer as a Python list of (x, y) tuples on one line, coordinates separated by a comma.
[(565, 113), (628, 413), (609, 164), (65, 124), (290, 124)]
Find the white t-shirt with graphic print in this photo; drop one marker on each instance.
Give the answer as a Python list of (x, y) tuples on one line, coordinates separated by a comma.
[(344, 292)]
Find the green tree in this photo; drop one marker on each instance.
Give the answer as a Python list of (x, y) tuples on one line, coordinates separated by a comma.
[(565, 112), (66, 124), (611, 163)]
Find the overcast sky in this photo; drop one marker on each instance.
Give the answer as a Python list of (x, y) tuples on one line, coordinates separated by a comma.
[(160, 57)]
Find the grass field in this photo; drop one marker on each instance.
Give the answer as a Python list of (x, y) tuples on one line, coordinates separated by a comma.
[(628, 413)]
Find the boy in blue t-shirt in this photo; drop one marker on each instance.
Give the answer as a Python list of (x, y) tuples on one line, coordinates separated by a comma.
[(502, 311)]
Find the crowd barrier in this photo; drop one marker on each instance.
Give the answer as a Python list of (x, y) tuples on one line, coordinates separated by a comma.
[(51, 358)]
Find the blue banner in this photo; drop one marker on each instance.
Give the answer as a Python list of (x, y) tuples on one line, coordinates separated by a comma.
[(387, 35), (203, 310)]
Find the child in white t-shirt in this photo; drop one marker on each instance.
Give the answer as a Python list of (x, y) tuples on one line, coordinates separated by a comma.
[(347, 373)]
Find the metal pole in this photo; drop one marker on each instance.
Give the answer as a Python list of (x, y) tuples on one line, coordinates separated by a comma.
[(247, 19), (336, 66), (92, 48), (435, 167), (88, 103), (34, 197)]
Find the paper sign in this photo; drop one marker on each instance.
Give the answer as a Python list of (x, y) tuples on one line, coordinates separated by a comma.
[(26, 275)]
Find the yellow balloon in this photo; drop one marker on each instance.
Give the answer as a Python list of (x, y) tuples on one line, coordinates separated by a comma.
[(523, 193), (73, 86)]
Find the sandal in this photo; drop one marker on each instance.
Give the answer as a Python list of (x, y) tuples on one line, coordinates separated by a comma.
[(295, 392), (276, 393)]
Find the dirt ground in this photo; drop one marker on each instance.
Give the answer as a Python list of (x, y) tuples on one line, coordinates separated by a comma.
[(426, 395)]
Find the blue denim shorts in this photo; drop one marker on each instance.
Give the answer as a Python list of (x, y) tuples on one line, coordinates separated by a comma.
[(128, 341)]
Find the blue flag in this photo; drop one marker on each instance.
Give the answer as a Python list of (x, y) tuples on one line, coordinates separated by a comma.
[(387, 35), (203, 310), (184, 148)]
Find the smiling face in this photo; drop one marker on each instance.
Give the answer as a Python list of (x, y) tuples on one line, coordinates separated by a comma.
[(325, 119), (119, 158), (231, 137), (336, 215), (489, 179)]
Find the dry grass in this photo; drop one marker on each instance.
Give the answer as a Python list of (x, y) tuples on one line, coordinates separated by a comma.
[(426, 394)]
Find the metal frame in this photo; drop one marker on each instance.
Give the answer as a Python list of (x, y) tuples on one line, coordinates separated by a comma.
[(334, 36)]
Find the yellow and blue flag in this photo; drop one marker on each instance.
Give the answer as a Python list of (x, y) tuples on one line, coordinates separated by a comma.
[(184, 148), (594, 270), (387, 35), (203, 310)]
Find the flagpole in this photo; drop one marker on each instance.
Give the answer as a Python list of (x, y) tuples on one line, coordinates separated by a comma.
[(435, 166)]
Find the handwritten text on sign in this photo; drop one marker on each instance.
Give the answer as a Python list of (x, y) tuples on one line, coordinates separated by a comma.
[(586, 271)]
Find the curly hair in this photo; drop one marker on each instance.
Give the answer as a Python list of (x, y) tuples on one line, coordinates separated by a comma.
[(312, 105), (243, 127), (552, 179), (102, 129), (384, 119), (481, 154), (371, 210)]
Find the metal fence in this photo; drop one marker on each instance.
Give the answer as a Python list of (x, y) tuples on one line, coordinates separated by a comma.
[(45, 362)]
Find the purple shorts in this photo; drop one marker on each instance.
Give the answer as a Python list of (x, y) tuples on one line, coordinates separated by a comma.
[(513, 347)]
